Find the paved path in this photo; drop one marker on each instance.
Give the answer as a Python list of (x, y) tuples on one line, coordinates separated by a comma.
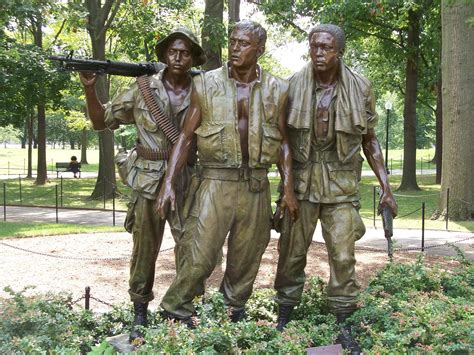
[(435, 240)]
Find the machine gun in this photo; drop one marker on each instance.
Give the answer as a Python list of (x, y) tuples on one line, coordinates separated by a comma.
[(387, 219), (69, 63)]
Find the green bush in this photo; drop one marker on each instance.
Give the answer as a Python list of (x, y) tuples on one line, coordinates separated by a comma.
[(413, 307), (405, 308)]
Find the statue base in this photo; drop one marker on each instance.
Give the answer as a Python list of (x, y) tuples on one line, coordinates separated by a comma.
[(325, 350), (121, 344)]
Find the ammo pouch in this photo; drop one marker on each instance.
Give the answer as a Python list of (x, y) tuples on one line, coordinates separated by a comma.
[(121, 159), (258, 180)]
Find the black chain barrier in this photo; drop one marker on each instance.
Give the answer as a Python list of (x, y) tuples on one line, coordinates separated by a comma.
[(73, 257), (378, 250), (64, 257)]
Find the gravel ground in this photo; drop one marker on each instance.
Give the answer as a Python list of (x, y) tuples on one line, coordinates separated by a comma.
[(69, 263)]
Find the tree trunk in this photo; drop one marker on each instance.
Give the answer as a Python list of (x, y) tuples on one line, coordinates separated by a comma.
[(41, 172), (438, 158), (24, 137), (30, 146), (84, 146), (99, 19), (409, 112), (213, 19), (458, 91), (234, 13)]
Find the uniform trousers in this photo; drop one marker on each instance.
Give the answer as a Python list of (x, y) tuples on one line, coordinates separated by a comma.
[(222, 208), (341, 226)]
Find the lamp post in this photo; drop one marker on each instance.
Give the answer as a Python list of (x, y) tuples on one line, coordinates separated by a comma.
[(388, 107)]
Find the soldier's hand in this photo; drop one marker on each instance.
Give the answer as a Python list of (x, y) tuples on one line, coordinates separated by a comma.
[(88, 79), (166, 197), (290, 203), (387, 199)]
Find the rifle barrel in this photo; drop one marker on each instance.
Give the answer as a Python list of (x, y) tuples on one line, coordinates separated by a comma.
[(108, 66)]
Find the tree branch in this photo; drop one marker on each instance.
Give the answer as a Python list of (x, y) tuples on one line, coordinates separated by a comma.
[(59, 32), (112, 15), (388, 39), (282, 17)]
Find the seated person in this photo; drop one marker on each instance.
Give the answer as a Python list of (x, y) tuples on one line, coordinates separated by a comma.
[(74, 166)]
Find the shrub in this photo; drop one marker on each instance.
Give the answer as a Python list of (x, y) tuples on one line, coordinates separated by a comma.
[(412, 307), (405, 308)]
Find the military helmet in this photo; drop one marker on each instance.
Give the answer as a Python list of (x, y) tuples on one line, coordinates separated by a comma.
[(199, 58)]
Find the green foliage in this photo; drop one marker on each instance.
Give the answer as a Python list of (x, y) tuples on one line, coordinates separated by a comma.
[(412, 307), (9, 134), (36, 324), (407, 307)]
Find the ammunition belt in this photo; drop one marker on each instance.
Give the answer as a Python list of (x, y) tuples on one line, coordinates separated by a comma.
[(152, 154), (161, 120)]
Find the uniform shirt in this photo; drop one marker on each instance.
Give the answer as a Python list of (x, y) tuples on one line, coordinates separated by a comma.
[(129, 108), (325, 178)]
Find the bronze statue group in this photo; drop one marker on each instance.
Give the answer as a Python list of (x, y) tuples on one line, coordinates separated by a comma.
[(205, 144)]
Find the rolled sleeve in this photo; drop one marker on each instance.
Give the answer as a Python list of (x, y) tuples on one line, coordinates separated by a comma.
[(120, 109), (372, 117)]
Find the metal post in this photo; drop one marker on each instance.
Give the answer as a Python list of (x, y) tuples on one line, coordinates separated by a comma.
[(113, 206), (61, 191), (19, 182), (4, 201), (104, 191), (375, 193), (421, 164), (423, 226), (447, 208), (57, 210), (87, 297), (386, 142)]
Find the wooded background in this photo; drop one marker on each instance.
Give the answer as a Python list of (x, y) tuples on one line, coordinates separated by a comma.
[(418, 55)]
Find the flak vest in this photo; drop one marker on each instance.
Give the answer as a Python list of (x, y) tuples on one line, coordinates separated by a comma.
[(218, 139)]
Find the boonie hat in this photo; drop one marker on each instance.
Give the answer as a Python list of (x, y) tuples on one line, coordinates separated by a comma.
[(199, 58)]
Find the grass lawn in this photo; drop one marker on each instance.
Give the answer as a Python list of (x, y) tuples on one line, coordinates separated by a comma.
[(408, 202), (76, 192), (13, 161), (8, 229)]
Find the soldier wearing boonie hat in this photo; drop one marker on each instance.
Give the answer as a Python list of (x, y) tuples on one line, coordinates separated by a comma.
[(199, 58), (146, 164)]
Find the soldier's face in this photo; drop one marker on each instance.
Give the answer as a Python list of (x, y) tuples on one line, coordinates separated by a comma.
[(244, 49), (323, 52), (179, 57)]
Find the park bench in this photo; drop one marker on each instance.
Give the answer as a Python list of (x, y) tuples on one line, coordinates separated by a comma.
[(64, 167)]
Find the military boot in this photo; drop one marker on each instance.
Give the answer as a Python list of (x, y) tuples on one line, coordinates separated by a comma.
[(191, 322), (140, 319), (345, 336), (284, 312), (236, 315)]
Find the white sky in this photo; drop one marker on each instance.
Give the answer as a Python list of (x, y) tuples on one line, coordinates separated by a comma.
[(289, 55)]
